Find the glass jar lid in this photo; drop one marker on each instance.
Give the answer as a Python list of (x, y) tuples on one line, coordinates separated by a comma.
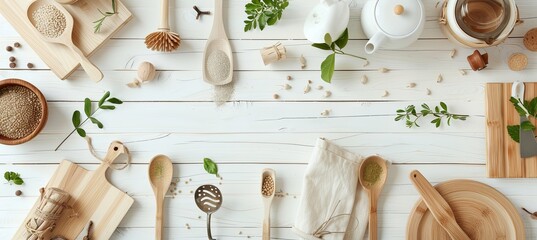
[(483, 19)]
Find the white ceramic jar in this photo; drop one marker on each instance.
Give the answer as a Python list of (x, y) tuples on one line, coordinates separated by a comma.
[(392, 24), (329, 16)]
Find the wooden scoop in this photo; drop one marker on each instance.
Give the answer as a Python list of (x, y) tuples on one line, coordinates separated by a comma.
[(217, 41), (267, 201), (66, 37), (438, 206), (373, 190), (160, 176)]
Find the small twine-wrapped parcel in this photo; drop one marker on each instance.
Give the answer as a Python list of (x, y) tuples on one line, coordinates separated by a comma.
[(273, 53), (49, 210)]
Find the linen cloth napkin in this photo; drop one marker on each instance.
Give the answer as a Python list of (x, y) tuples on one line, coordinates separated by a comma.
[(333, 204)]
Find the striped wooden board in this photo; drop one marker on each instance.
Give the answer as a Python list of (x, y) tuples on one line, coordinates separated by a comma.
[(93, 199), (503, 154)]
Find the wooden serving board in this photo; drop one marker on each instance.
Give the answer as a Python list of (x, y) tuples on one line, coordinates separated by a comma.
[(58, 57), (93, 199), (481, 211), (503, 154)]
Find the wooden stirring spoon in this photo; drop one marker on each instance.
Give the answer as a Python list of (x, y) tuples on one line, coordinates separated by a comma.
[(373, 186), (65, 37), (438, 206), (160, 176)]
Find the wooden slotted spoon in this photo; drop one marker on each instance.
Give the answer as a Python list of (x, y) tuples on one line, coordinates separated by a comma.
[(160, 176), (66, 37), (373, 189), (163, 40), (217, 41)]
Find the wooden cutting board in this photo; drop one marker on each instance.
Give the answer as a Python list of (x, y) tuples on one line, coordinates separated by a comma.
[(58, 57), (481, 211), (93, 199), (503, 154)]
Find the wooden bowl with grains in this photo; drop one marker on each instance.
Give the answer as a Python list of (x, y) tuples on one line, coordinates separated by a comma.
[(23, 111)]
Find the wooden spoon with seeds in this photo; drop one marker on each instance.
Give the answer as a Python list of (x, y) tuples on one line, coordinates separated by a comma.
[(217, 41), (373, 189), (160, 176), (66, 36), (268, 196)]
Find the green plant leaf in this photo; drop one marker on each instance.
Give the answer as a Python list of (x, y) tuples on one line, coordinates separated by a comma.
[(210, 166), (327, 68), (527, 126), (518, 108), (514, 132), (532, 109), (328, 39), (96, 122), (81, 132), (443, 105), (341, 42), (322, 46), (76, 119), (87, 107), (7, 176), (103, 99), (114, 6), (18, 181), (115, 101), (107, 107)]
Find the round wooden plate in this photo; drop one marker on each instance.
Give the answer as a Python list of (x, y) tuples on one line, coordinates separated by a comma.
[(481, 211)]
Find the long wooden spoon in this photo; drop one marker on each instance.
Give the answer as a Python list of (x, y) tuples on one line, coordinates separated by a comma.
[(160, 176), (66, 37), (373, 188), (438, 206), (217, 41), (267, 200)]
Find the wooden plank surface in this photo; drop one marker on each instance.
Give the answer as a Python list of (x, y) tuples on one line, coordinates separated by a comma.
[(255, 131)]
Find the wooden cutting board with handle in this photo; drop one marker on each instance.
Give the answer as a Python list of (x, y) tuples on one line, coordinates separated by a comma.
[(93, 199), (503, 154)]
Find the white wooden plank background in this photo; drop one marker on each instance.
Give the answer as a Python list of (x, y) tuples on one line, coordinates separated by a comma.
[(174, 115)]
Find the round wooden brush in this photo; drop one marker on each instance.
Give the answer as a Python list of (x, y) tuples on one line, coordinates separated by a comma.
[(163, 40)]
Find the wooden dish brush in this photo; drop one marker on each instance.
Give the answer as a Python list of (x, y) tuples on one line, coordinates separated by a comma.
[(163, 40)]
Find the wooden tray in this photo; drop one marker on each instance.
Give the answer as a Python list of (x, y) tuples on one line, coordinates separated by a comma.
[(92, 197), (503, 154), (58, 57), (481, 211)]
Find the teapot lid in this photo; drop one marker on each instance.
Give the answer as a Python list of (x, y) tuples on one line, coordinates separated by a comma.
[(400, 17)]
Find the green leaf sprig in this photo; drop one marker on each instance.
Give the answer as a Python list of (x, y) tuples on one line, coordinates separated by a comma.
[(76, 119), (411, 115), (100, 21), (210, 166), (13, 177), (263, 12), (328, 65), (524, 108)]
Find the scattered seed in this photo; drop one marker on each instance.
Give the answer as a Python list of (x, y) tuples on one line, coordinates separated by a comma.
[(221, 178), (190, 179), (307, 89), (325, 113), (287, 87), (276, 96), (452, 53), (411, 85), (462, 72), (12, 65), (327, 94), (220, 183), (428, 91), (366, 63), (384, 70), (439, 79), (289, 78), (9, 48), (320, 87), (12, 59), (18, 193), (240, 233), (180, 191), (191, 191), (17, 45), (186, 182), (310, 82), (303, 62), (385, 93), (364, 79)]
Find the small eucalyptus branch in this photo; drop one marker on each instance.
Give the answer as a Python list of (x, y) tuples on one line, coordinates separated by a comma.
[(100, 21), (411, 115)]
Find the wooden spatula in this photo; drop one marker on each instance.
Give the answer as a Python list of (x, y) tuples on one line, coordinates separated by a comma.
[(438, 206)]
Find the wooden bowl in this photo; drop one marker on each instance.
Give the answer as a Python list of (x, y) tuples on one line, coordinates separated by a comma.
[(44, 111)]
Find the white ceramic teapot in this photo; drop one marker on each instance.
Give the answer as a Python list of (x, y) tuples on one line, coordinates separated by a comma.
[(392, 24), (329, 16)]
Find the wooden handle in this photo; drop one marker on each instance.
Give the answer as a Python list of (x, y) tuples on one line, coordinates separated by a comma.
[(114, 150), (92, 70), (373, 235), (438, 206), (266, 224), (159, 216), (164, 16)]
